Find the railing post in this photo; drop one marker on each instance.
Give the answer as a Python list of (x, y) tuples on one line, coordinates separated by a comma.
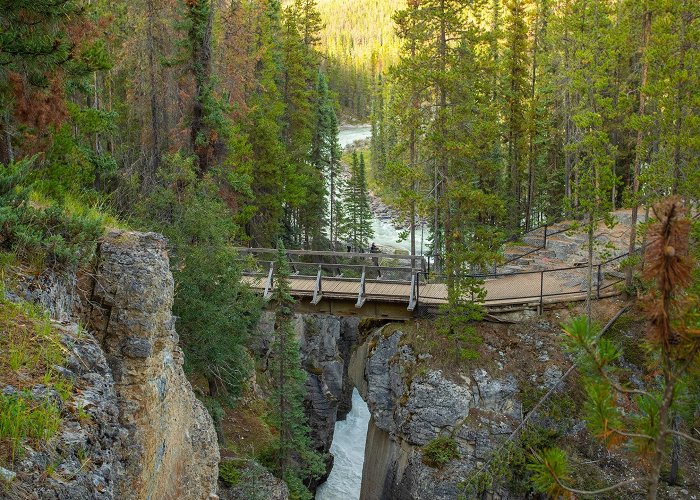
[(412, 295), (417, 287), (541, 292), (544, 245), (600, 274), (270, 281)]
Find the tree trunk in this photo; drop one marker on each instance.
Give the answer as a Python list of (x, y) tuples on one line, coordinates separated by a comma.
[(200, 35), (412, 160), (443, 174), (660, 440), (154, 162), (412, 148), (7, 154), (680, 94), (629, 273), (533, 131), (589, 294), (675, 452), (214, 393)]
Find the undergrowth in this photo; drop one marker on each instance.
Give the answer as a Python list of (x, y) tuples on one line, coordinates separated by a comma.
[(44, 236), (29, 352), (440, 451)]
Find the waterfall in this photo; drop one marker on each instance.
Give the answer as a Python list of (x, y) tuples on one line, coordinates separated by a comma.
[(348, 448)]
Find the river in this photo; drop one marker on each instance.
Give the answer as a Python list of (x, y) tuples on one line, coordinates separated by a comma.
[(348, 448), (386, 236), (349, 438)]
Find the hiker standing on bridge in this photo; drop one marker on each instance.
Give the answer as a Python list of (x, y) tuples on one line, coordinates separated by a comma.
[(375, 260)]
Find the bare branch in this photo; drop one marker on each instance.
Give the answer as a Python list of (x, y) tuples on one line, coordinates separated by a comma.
[(684, 436), (593, 492)]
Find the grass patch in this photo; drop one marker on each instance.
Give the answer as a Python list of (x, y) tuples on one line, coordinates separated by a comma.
[(440, 451), (22, 418), (29, 351)]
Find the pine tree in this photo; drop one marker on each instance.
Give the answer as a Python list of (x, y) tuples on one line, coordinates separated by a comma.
[(645, 425), (592, 153), (335, 183), (357, 226), (295, 457), (365, 231), (515, 67), (302, 179), (264, 130), (200, 19)]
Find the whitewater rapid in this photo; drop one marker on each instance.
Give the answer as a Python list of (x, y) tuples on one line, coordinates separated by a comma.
[(348, 448)]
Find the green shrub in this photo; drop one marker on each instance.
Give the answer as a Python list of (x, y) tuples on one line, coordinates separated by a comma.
[(468, 354), (22, 418), (47, 236), (440, 451), (229, 473), (510, 465)]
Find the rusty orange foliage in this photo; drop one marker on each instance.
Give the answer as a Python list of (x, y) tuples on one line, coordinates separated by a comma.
[(38, 110), (669, 265)]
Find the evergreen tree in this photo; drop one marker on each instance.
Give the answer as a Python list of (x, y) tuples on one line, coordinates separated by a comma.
[(200, 20), (357, 224), (515, 68), (365, 231), (264, 131), (303, 180), (295, 457)]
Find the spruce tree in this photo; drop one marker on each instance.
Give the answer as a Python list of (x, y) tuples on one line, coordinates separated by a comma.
[(264, 132), (295, 458), (515, 91), (365, 231)]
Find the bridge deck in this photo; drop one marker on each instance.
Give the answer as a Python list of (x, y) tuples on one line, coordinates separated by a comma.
[(502, 291)]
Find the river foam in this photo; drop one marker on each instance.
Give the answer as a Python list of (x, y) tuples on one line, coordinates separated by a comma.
[(348, 448)]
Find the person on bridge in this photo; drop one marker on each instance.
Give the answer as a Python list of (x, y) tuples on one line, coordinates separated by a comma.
[(375, 260)]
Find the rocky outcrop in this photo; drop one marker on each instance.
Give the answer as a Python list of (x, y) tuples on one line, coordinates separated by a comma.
[(170, 448), (411, 407), (80, 460), (255, 483), (326, 342), (131, 427)]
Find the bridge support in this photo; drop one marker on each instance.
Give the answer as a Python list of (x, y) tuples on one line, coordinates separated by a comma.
[(318, 293), (413, 298), (267, 293), (361, 297)]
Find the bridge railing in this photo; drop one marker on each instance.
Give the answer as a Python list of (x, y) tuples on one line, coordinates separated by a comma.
[(421, 288), (343, 264), (538, 286)]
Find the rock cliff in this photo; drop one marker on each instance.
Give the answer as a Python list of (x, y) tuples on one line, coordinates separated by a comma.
[(144, 434), (410, 408), (326, 343)]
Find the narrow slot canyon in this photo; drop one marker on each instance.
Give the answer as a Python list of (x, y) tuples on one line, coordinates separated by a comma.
[(348, 449)]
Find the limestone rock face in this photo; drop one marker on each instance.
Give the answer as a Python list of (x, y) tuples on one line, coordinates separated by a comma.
[(326, 342), (412, 407), (82, 452), (170, 448)]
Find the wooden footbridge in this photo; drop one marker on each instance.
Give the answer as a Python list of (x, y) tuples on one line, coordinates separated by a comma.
[(402, 286)]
